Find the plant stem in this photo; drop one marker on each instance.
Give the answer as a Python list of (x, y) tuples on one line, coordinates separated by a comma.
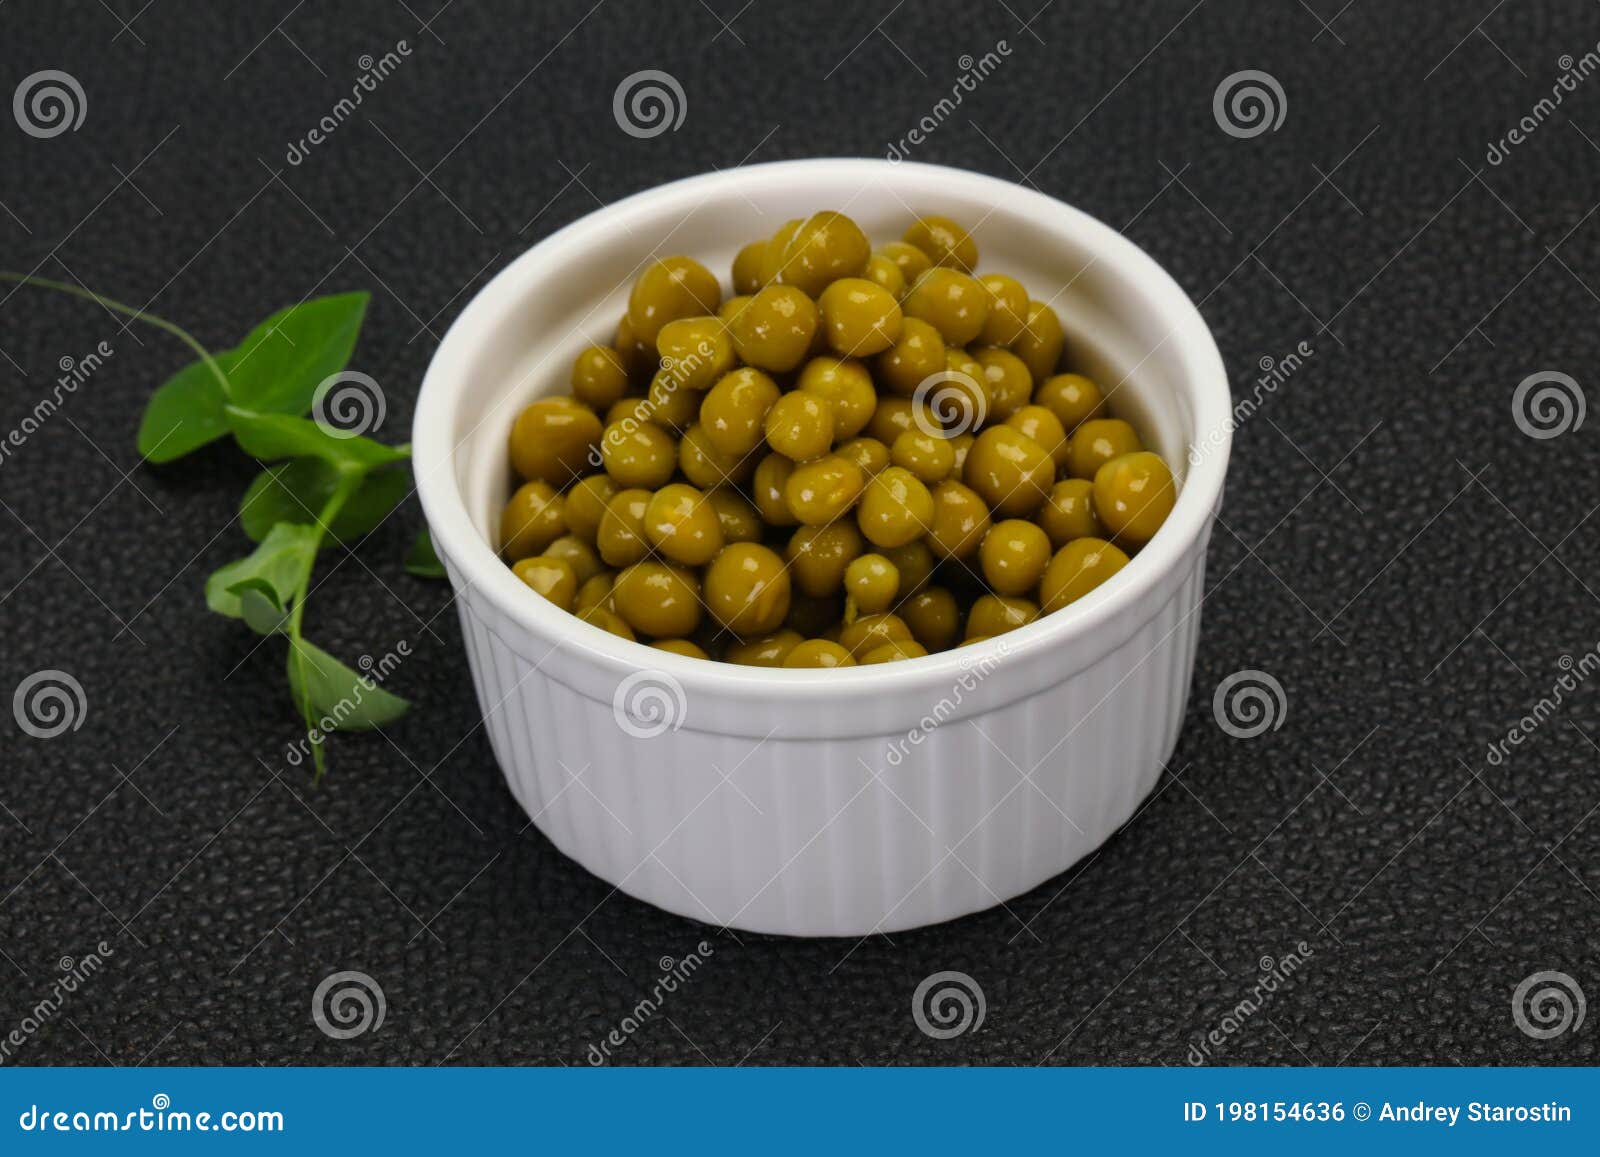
[(112, 304), (349, 482)]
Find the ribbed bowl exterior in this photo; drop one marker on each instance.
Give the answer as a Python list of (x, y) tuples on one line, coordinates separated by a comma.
[(863, 799), (838, 836)]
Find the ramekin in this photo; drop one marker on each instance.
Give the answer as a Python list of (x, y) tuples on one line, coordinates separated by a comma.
[(843, 802)]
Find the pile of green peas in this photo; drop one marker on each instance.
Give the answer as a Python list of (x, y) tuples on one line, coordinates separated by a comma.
[(861, 456)]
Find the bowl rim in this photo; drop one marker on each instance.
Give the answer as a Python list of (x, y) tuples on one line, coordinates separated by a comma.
[(1204, 382)]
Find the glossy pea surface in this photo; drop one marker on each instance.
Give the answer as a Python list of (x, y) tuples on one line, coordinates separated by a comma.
[(825, 248), (682, 525), (859, 317), (944, 241), (1096, 442), (551, 441), (747, 589), (1069, 512), (896, 508), (1009, 470), (846, 386), (819, 653), (950, 301), (670, 288), (734, 412), (655, 598), (1072, 398), (840, 455), (774, 331), (823, 490), (1041, 341), (621, 538), (533, 518), (1133, 495), (1078, 568), (551, 577), (819, 556), (638, 454), (1013, 555)]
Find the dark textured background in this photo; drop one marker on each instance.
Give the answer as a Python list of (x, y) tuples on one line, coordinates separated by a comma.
[(1393, 551)]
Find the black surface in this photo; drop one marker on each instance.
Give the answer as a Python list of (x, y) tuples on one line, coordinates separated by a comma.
[(1408, 565)]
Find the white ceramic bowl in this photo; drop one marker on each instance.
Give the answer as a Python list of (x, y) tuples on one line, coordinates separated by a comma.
[(850, 801)]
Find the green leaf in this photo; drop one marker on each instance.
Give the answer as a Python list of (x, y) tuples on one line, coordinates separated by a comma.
[(280, 561), (421, 560), (298, 490), (280, 363), (259, 605), (184, 414), (333, 696), (276, 369), (380, 492), (273, 436)]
